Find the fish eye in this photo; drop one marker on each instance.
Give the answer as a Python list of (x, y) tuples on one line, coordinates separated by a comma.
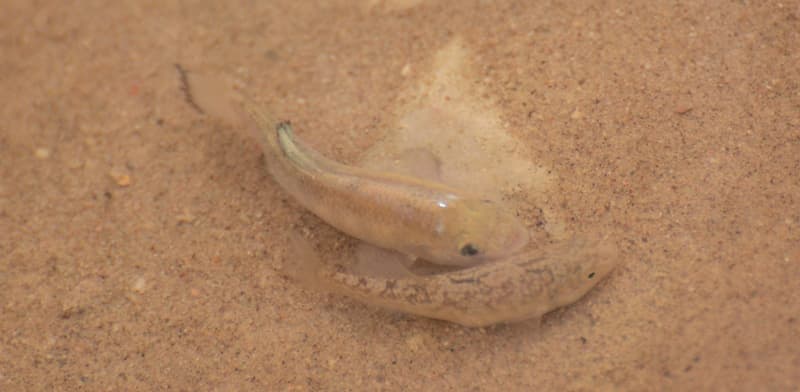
[(469, 250), (591, 275)]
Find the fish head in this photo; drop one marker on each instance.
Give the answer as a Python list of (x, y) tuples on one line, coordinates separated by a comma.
[(582, 263), (480, 230)]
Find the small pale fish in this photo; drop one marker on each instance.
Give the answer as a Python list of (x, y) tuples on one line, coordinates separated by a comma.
[(417, 217), (521, 287)]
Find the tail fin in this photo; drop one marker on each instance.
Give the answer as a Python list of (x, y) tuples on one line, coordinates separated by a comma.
[(300, 155)]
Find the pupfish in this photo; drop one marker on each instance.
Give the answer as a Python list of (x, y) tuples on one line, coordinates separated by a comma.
[(520, 287), (420, 218)]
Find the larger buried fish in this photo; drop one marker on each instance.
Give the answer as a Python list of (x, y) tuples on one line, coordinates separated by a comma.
[(523, 286), (420, 218)]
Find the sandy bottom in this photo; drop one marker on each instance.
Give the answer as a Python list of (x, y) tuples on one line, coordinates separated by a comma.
[(141, 239)]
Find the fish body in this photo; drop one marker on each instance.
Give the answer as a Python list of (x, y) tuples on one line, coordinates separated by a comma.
[(420, 218), (520, 287)]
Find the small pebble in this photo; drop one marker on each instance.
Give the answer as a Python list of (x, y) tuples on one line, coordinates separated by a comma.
[(139, 285), (120, 176), (185, 217), (42, 153), (415, 342)]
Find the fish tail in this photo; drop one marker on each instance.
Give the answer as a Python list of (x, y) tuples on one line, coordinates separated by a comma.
[(298, 154), (277, 139)]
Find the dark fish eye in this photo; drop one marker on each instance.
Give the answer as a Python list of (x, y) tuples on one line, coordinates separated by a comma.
[(469, 250), (591, 275)]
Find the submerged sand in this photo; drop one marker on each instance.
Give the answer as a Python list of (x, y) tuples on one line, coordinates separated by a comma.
[(141, 238)]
